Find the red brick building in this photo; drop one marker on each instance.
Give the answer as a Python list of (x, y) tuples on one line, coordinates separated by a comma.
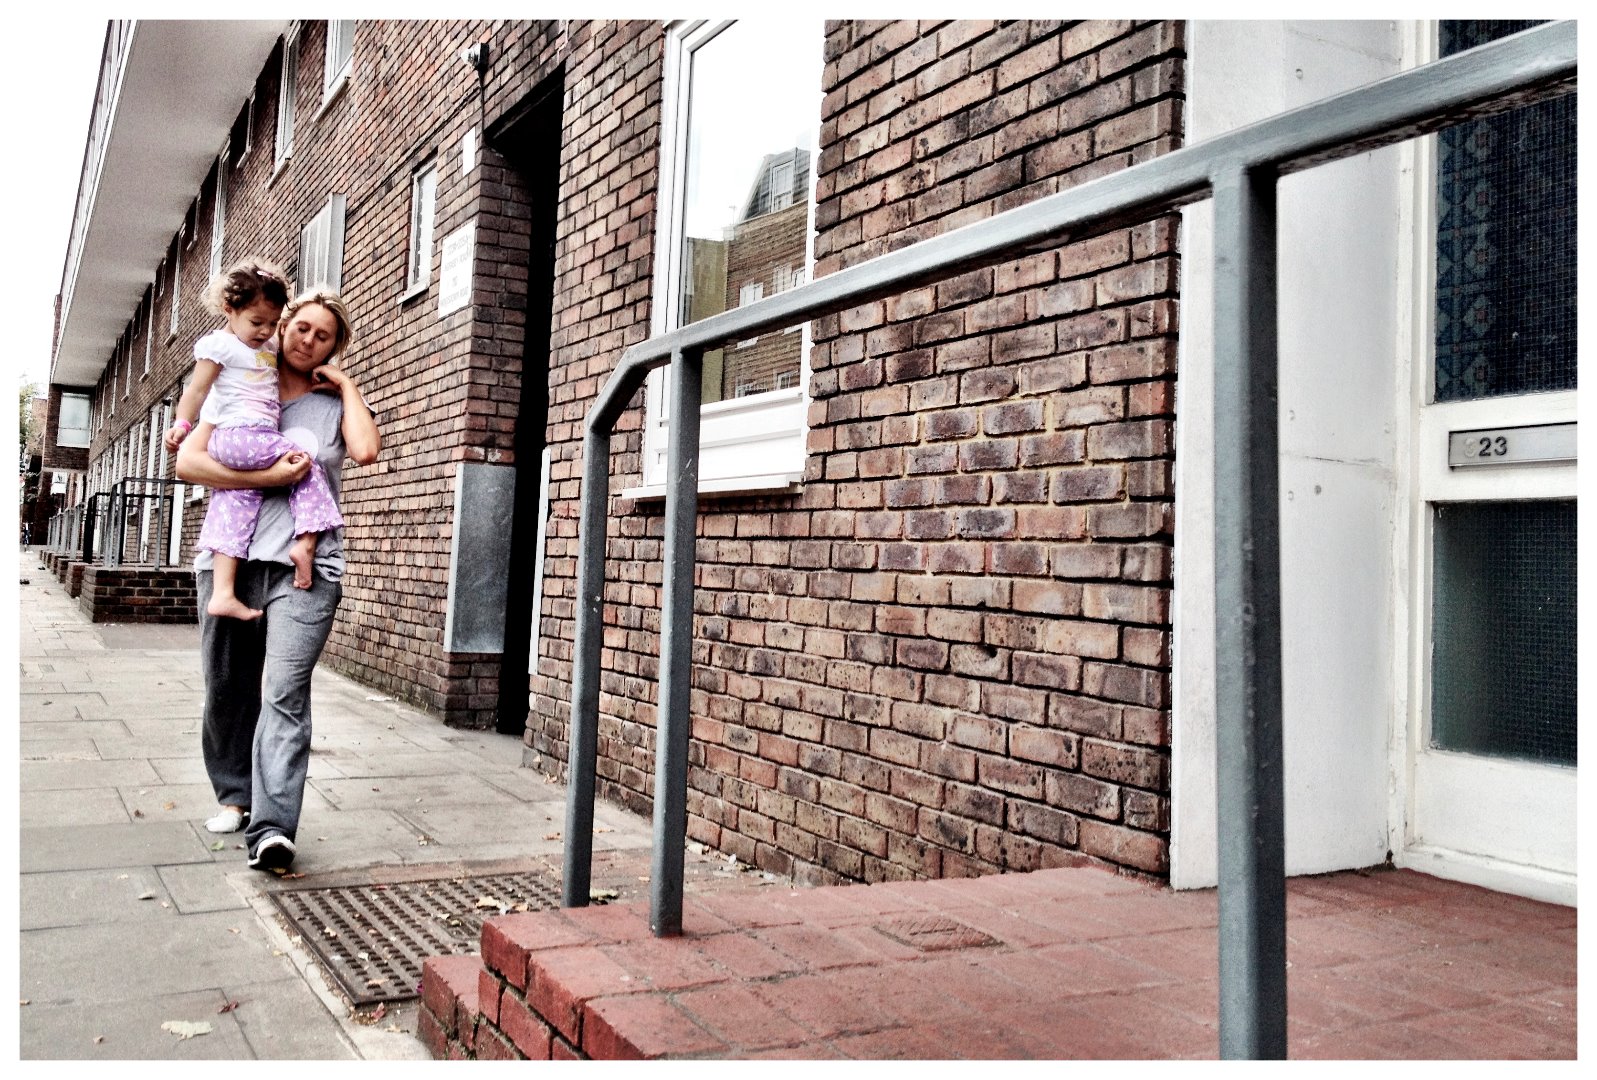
[(937, 541)]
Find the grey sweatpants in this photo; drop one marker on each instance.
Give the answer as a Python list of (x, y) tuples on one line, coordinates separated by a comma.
[(256, 735)]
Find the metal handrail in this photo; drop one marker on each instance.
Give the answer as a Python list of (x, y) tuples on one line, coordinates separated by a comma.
[(1240, 171), (124, 493)]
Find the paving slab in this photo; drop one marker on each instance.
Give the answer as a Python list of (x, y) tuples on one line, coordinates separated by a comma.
[(197, 887), (85, 897), (89, 847), (131, 1030), (94, 806), (176, 954)]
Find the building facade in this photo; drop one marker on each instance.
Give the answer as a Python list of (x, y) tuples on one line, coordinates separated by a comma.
[(950, 589)]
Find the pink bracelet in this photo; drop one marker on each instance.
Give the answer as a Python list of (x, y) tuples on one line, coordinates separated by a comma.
[(186, 425)]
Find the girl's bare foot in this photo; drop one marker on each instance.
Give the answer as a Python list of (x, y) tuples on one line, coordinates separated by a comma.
[(302, 554), (231, 607)]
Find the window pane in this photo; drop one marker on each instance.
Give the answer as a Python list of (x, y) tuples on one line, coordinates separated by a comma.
[(1505, 244), (754, 91), (1503, 665), (73, 429)]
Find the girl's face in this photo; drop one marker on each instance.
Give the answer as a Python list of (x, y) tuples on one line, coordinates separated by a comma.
[(308, 338), (253, 324)]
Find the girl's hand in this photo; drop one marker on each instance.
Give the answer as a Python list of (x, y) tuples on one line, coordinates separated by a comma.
[(174, 438), (330, 379)]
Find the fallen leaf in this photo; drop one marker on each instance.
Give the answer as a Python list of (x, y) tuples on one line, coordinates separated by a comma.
[(25, 1001), (375, 982), (98, 1039), (229, 1006), (219, 845), (146, 896), (291, 877), (602, 895), (551, 836), (377, 789), (187, 1029), (233, 930), (121, 877), (604, 828), (490, 902), (138, 813), (169, 806)]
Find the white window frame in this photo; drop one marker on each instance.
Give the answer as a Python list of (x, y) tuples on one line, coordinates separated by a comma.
[(177, 291), (321, 247), (83, 403), (127, 354), (335, 73), (287, 88), (423, 213), (149, 332), (219, 212), (752, 443), (249, 130)]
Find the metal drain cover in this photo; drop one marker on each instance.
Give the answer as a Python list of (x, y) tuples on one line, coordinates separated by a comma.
[(933, 933), (374, 938)]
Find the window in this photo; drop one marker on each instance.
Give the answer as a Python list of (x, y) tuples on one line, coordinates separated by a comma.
[(160, 277), (321, 247), (177, 279), (1505, 242), (110, 383), (287, 84), (149, 327), (127, 354), (423, 197), (247, 131), (219, 212), (736, 216), (340, 53), (73, 426)]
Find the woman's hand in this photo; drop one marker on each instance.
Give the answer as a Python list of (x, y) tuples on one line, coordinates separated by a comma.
[(286, 471), (361, 441)]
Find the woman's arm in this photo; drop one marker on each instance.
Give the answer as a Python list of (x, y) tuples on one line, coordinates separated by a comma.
[(196, 466), (361, 440)]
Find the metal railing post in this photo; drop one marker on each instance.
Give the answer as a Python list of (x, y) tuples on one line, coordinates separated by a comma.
[(583, 754), (1247, 492), (673, 716)]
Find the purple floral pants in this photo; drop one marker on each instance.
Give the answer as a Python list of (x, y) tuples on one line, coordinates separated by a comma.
[(230, 522)]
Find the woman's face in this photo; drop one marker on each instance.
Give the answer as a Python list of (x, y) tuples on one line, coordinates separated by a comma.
[(308, 338)]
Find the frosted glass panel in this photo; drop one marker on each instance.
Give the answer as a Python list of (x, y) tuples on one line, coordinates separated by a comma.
[(1503, 630)]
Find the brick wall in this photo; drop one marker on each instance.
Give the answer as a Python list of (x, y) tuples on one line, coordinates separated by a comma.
[(136, 594), (949, 653)]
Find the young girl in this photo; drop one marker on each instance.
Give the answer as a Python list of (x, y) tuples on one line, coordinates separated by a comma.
[(241, 363)]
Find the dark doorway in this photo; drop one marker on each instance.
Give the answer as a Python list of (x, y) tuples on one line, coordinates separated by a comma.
[(529, 141)]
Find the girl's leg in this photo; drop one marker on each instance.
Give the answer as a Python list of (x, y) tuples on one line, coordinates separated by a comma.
[(224, 597), (297, 624), (303, 555)]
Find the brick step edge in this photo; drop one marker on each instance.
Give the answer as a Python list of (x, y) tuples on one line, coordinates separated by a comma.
[(449, 1016)]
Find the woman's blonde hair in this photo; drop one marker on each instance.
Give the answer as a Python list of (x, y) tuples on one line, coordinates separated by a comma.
[(240, 285), (344, 336)]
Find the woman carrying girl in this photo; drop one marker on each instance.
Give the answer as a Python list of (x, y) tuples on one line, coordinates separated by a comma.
[(240, 362), (257, 722)]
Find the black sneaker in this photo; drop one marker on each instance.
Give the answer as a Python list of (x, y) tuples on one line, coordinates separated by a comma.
[(275, 853)]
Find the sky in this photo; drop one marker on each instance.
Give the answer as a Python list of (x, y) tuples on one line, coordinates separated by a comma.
[(48, 133)]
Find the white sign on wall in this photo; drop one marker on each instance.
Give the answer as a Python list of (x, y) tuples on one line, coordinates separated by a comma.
[(468, 151), (459, 254)]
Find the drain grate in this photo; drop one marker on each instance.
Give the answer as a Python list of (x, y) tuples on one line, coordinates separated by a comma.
[(933, 933), (373, 938)]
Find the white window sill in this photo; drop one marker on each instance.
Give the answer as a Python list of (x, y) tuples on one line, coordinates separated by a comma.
[(280, 166), (415, 292), (332, 92), (725, 487)]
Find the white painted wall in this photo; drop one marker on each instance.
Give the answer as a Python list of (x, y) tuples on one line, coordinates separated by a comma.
[(1340, 369)]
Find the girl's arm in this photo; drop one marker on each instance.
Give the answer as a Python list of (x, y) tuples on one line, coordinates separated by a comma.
[(188, 406), (196, 466), (361, 440)]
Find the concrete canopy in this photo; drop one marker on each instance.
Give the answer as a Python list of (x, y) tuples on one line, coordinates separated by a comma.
[(166, 113)]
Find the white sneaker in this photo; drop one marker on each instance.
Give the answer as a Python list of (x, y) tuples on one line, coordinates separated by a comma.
[(276, 852), (227, 820)]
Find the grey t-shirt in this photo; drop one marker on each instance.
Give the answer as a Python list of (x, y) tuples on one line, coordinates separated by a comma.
[(315, 423)]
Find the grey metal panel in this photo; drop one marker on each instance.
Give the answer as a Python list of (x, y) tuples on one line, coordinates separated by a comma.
[(479, 556)]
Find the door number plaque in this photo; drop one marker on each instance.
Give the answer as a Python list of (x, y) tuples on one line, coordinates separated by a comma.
[(1536, 444)]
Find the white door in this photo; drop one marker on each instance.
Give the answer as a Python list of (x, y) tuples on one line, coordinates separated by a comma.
[(1490, 751)]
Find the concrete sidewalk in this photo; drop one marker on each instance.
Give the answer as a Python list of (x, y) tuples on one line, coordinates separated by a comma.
[(130, 919)]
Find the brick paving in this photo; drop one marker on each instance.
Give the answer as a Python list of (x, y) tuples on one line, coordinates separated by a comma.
[(1055, 964)]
